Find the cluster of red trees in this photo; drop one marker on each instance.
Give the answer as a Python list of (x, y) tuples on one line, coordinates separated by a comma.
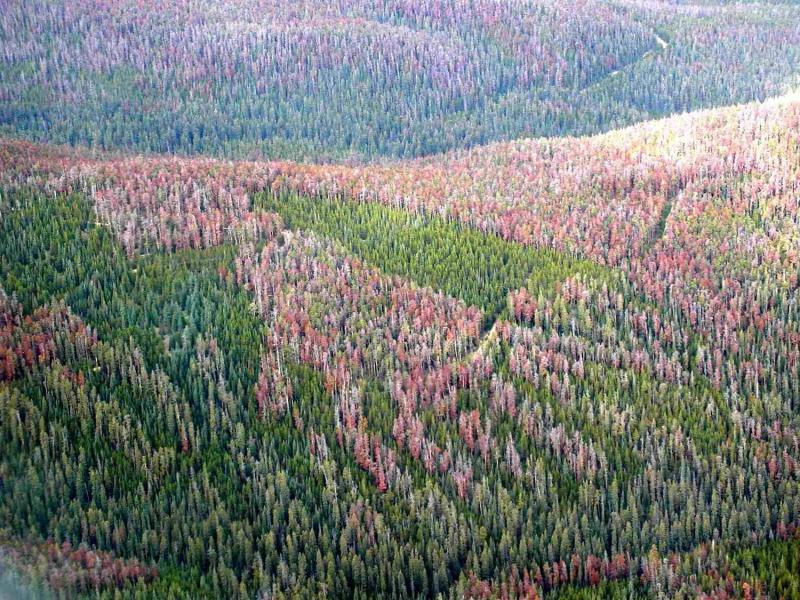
[(65, 567), (27, 341), (328, 310), (532, 582)]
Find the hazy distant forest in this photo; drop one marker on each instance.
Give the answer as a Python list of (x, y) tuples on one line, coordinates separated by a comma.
[(489, 299)]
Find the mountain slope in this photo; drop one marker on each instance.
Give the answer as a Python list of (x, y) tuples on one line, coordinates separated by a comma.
[(336, 80), (514, 369)]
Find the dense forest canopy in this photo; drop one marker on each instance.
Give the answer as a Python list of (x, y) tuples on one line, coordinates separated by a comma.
[(460, 350), (324, 80), (276, 378)]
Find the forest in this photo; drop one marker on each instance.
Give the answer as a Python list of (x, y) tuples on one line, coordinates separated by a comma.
[(408, 299), (360, 79)]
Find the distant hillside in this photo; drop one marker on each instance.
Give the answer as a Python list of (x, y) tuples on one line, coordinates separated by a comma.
[(318, 80)]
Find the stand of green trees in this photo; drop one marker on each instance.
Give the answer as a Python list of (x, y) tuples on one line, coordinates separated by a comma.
[(141, 437)]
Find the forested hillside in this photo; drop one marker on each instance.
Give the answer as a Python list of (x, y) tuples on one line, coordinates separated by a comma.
[(334, 80), (543, 368), (487, 299)]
